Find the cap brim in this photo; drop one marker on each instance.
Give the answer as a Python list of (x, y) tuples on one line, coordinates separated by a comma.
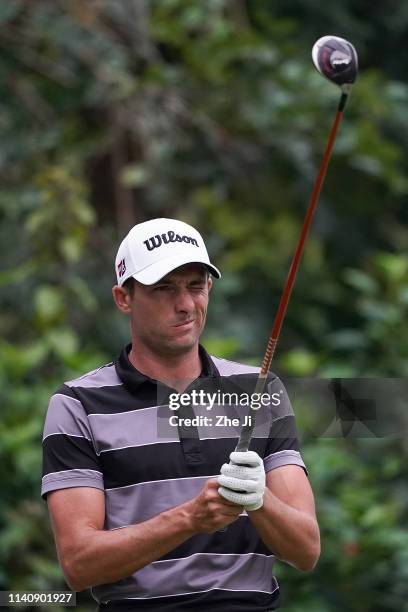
[(153, 273)]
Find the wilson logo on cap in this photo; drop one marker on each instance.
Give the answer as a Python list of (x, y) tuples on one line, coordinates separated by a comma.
[(154, 242)]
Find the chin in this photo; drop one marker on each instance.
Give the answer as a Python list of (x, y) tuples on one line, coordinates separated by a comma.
[(182, 345)]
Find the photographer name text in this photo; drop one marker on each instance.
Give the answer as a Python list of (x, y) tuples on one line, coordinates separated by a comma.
[(205, 421)]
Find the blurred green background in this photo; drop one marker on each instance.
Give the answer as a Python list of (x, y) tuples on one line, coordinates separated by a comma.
[(115, 112)]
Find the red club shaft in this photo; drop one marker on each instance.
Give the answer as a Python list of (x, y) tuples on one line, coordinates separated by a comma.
[(290, 281), (246, 432)]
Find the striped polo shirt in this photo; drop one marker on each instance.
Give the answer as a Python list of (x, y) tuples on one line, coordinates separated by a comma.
[(109, 429)]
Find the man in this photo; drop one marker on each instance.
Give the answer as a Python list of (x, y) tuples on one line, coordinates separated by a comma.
[(141, 515)]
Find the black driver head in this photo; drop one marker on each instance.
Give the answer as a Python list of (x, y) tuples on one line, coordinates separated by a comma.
[(336, 59)]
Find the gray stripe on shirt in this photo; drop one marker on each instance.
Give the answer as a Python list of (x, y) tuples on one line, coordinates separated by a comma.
[(66, 415), (65, 479), (283, 457), (139, 502), (104, 376), (153, 425), (194, 574)]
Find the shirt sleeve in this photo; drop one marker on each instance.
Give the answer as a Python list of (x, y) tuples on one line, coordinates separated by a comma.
[(283, 444), (69, 456)]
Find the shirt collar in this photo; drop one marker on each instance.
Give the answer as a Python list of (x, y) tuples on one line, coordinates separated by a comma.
[(132, 378)]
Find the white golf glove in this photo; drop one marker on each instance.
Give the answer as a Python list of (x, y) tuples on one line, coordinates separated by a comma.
[(242, 480)]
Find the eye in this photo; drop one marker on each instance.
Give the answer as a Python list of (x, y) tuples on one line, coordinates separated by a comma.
[(197, 287), (163, 288)]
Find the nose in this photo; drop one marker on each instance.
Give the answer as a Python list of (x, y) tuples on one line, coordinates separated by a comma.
[(184, 301)]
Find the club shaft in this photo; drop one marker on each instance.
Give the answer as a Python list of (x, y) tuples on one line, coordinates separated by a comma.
[(246, 431)]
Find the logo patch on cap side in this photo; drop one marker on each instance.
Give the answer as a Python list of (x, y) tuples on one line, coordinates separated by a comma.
[(121, 268)]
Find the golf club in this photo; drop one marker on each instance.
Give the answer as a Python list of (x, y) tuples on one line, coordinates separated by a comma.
[(336, 59)]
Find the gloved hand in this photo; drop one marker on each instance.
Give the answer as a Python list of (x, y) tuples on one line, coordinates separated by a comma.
[(242, 480)]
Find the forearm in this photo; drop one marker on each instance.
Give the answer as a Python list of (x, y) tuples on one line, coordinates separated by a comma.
[(292, 535), (107, 556)]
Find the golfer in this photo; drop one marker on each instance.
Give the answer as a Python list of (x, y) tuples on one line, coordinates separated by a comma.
[(150, 506)]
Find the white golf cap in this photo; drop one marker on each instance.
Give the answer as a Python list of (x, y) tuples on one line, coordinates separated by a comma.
[(154, 248)]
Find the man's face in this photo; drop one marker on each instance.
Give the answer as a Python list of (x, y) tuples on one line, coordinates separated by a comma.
[(169, 316)]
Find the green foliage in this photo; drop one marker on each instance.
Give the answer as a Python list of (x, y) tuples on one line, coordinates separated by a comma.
[(116, 112), (364, 540)]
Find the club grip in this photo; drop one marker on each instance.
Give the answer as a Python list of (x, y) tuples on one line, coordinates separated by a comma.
[(246, 431)]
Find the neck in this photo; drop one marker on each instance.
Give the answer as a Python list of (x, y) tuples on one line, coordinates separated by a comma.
[(176, 371)]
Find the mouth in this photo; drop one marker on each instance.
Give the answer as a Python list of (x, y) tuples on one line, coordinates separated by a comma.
[(184, 324)]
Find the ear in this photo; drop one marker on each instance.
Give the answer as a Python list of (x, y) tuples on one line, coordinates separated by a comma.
[(209, 283), (122, 298)]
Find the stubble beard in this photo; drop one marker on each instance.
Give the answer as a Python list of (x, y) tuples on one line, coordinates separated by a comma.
[(163, 345)]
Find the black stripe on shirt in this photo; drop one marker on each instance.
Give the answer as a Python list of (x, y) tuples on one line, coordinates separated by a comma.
[(116, 399), (238, 537), (63, 452), (128, 466), (216, 600)]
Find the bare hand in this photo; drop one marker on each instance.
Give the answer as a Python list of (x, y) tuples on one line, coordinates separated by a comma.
[(209, 511)]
